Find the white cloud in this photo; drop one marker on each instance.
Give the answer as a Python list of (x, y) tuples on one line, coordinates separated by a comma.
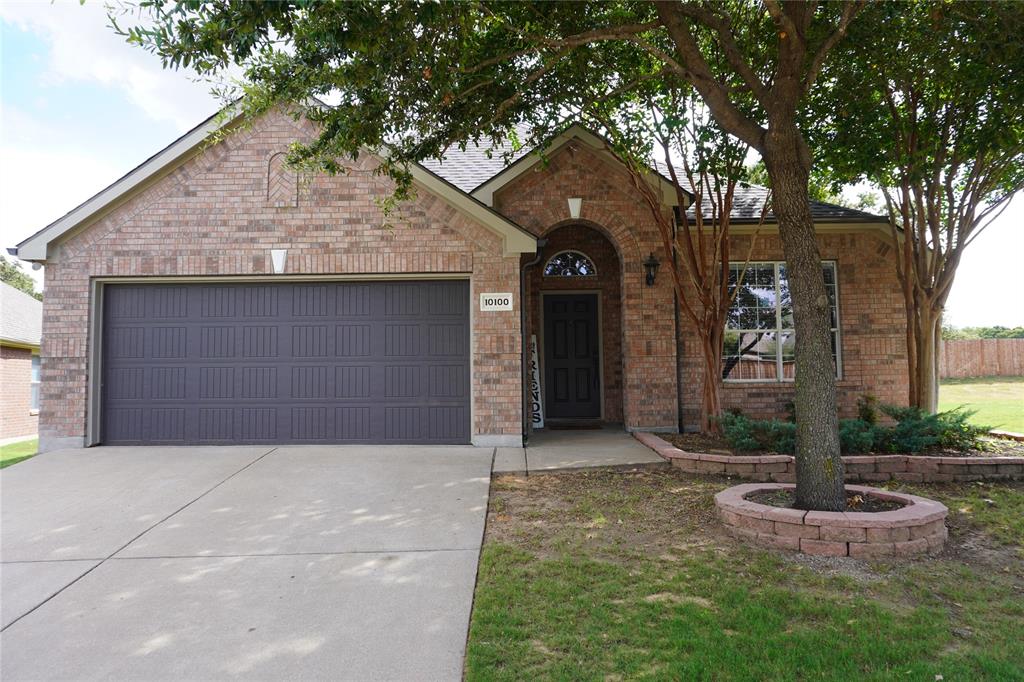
[(84, 48), (988, 289)]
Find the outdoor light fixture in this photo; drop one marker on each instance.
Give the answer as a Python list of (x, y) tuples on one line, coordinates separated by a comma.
[(575, 205), (651, 268), (277, 257)]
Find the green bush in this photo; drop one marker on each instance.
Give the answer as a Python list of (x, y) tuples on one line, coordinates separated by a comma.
[(857, 436), (745, 434), (867, 409), (914, 431)]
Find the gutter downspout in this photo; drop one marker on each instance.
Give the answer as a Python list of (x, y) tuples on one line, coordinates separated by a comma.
[(541, 243), (675, 315)]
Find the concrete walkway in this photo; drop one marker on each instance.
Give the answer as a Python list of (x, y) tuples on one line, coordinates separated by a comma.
[(557, 450), (301, 562)]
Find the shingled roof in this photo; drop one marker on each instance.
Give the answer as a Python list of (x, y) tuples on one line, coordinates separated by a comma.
[(470, 168), (21, 317)]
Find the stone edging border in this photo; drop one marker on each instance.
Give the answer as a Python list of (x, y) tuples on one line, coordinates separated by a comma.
[(866, 468), (916, 528)]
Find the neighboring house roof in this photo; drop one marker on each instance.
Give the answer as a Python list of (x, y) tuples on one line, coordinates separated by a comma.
[(21, 317), (515, 238)]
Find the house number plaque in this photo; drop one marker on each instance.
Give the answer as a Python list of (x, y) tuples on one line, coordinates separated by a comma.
[(490, 302)]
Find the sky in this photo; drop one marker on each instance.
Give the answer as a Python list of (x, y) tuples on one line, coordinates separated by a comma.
[(79, 108)]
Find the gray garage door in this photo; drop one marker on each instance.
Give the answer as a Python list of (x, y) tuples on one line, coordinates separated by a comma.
[(353, 362)]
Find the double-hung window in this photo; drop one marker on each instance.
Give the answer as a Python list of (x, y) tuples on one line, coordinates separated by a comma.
[(759, 338), (34, 405)]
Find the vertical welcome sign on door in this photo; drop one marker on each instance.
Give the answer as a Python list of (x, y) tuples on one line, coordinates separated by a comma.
[(536, 408)]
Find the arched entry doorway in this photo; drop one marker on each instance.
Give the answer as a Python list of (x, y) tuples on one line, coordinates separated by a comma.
[(575, 311)]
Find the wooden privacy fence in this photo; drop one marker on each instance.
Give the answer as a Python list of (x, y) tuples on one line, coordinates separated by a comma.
[(981, 358)]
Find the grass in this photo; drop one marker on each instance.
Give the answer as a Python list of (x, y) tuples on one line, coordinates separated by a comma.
[(999, 401), (16, 452), (621, 576)]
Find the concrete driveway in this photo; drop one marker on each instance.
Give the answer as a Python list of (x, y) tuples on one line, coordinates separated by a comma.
[(300, 562)]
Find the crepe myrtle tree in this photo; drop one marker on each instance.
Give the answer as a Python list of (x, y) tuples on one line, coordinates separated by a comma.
[(411, 79), (928, 105), (669, 128)]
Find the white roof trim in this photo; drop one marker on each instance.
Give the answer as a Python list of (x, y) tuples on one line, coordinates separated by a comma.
[(485, 192), (514, 238), (35, 248)]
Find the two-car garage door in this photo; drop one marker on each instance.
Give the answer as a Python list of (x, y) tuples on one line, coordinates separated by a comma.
[(309, 362)]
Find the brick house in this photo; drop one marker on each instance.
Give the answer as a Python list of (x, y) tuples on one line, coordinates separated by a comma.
[(21, 323), (212, 296)]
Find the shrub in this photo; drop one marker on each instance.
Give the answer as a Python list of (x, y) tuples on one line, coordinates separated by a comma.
[(867, 409), (744, 433), (956, 433), (857, 436), (737, 431), (914, 431), (918, 431)]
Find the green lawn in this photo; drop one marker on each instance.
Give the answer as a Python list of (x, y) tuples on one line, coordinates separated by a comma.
[(998, 400), (612, 576), (16, 452)]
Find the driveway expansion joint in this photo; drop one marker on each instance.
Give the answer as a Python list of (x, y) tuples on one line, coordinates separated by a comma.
[(122, 547)]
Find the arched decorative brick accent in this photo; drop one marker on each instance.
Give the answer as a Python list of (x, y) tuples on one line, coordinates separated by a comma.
[(282, 182)]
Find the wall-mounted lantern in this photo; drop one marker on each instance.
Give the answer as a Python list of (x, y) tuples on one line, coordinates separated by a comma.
[(651, 268), (575, 207), (277, 258)]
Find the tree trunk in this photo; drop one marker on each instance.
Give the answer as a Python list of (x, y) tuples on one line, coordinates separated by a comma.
[(711, 401), (926, 367), (819, 467)]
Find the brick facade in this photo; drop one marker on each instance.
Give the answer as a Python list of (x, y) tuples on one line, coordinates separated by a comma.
[(222, 211), (537, 200), (871, 314), (871, 331), (16, 418)]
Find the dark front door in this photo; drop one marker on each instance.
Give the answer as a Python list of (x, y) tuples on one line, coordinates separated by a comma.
[(310, 362), (571, 357)]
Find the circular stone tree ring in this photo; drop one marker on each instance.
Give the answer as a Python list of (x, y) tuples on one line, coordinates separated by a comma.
[(917, 527)]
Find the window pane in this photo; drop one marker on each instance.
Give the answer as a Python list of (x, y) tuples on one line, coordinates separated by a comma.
[(788, 355), (785, 299), (754, 304), (35, 398), (569, 264), (829, 271), (749, 355), (35, 368)]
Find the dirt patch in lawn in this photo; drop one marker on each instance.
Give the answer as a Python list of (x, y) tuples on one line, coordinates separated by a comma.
[(667, 514), (611, 514)]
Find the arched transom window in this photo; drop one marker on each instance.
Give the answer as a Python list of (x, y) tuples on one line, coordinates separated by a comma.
[(570, 264)]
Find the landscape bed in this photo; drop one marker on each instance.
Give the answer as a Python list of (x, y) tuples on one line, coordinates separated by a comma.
[(613, 575), (859, 468)]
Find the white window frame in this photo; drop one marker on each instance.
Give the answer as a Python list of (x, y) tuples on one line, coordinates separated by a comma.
[(778, 330), (34, 383)]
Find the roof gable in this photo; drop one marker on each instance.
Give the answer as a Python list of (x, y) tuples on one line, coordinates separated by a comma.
[(515, 239), (483, 171)]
